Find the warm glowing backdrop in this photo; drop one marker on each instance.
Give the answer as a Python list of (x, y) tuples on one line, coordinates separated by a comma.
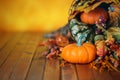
[(36, 15)]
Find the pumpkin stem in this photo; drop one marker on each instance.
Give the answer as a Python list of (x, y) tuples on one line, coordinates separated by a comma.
[(79, 43)]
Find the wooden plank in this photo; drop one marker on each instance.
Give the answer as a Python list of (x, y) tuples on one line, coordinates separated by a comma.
[(68, 72), (4, 38), (115, 75), (102, 75), (52, 70), (7, 68), (84, 72), (4, 53), (2, 34), (22, 66), (36, 71)]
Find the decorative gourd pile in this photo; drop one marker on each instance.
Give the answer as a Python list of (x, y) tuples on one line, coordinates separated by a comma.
[(95, 27), (99, 20)]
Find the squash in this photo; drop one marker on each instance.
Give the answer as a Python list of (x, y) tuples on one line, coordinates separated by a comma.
[(93, 16), (78, 29), (101, 48), (79, 54)]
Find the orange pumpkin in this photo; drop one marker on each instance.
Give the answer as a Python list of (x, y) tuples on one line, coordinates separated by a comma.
[(94, 15), (79, 54)]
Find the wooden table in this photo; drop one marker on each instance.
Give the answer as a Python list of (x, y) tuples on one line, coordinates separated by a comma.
[(21, 59)]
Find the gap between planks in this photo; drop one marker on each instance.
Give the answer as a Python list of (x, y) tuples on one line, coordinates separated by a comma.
[(21, 69), (19, 59), (5, 52), (36, 70)]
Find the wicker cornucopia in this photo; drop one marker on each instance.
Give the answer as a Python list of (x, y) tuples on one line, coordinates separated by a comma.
[(100, 21)]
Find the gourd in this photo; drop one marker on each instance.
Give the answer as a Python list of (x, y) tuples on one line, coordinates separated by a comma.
[(94, 15), (81, 53), (77, 29)]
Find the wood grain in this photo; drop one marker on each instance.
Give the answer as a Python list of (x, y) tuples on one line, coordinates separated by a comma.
[(52, 70), (115, 75), (102, 75), (69, 72), (4, 38), (84, 72), (21, 68), (36, 71), (4, 53), (9, 65)]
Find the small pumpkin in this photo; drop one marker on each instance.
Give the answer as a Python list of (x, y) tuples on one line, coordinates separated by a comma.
[(79, 54), (93, 16)]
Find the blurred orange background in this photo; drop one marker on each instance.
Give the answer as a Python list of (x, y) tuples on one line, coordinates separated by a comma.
[(33, 15)]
